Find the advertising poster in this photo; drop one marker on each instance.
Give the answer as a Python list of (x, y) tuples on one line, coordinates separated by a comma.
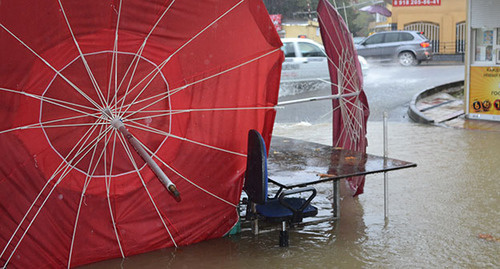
[(484, 93), (276, 19)]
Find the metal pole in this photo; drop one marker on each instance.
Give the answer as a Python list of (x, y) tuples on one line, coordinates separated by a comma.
[(255, 220), (386, 187), (336, 199), (318, 98), (118, 124)]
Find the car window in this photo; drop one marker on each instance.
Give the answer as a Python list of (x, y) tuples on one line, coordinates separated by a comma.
[(310, 50), (374, 39), (422, 36), (288, 49), (406, 37), (391, 37)]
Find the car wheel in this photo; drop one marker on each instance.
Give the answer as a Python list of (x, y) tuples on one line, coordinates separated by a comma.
[(407, 59)]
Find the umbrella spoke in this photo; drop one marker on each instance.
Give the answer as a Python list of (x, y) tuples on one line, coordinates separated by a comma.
[(47, 124), (62, 166), (129, 154), (88, 179), (139, 94), (339, 37), (162, 96), (343, 76), (164, 113), (175, 52), (336, 85), (181, 47), (57, 102), (352, 127), (202, 31), (108, 190), (87, 67), (185, 178), (114, 59), (122, 99), (138, 55), (150, 129), (61, 172), (53, 69), (165, 95), (351, 111)]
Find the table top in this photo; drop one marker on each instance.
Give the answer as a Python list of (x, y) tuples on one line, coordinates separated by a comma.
[(295, 163)]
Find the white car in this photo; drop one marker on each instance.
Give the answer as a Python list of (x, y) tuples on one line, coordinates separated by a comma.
[(305, 60)]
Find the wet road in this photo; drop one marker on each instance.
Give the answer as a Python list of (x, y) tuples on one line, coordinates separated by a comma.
[(388, 88)]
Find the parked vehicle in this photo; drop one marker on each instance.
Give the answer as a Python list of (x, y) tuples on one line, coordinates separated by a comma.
[(358, 39), (407, 47), (306, 60)]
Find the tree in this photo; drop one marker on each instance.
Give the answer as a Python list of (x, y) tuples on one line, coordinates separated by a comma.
[(302, 9)]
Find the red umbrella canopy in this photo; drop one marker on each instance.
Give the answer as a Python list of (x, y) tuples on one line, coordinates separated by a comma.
[(350, 111), (187, 80)]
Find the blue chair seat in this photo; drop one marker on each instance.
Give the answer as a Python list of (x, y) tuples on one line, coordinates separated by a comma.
[(274, 211)]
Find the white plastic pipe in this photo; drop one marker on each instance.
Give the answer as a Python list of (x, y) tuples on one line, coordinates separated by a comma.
[(118, 124)]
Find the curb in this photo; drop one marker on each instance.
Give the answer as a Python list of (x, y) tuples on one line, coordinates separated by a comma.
[(418, 116)]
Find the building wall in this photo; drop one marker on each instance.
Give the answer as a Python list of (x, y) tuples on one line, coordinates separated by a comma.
[(446, 15), (309, 29)]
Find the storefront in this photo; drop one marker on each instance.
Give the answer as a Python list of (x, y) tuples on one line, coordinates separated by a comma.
[(483, 60)]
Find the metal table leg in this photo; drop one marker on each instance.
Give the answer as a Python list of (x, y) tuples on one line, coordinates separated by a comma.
[(336, 199)]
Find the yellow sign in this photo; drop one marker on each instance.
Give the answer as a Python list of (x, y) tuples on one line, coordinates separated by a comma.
[(484, 93)]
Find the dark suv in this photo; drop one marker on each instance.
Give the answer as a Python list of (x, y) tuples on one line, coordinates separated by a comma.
[(408, 47)]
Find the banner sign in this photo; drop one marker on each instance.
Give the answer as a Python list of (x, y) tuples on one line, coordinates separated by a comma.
[(276, 19), (484, 93), (409, 3)]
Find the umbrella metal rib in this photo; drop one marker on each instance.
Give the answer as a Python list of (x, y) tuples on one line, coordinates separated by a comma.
[(118, 124)]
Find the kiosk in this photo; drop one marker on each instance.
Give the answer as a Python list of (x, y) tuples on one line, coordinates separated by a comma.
[(482, 76)]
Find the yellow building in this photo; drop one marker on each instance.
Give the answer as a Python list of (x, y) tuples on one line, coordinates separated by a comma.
[(442, 21), (309, 29)]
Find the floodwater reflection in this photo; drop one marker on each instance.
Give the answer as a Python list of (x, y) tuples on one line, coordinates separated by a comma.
[(436, 211)]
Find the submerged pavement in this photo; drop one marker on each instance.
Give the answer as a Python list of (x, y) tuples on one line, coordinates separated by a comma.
[(444, 105)]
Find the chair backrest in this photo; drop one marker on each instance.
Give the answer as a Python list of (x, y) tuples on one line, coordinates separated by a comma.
[(256, 174)]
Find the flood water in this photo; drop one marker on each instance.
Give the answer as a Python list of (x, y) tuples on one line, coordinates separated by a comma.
[(436, 211)]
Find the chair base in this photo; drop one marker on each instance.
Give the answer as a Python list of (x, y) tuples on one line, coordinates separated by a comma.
[(284, 238)]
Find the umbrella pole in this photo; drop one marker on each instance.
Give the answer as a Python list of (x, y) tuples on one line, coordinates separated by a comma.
[(318, 98), (118, 124)]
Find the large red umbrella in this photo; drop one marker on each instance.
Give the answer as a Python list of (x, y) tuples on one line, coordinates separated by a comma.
[(350, 110), (109, 109)]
